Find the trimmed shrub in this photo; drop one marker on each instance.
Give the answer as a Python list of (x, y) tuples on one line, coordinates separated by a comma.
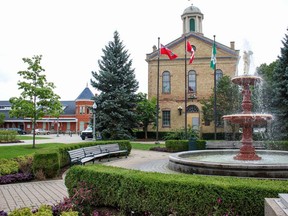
[(277, 145), (8, 167), (179, 194), (48, 163), (183, 145), (25, 163), (7, 136)]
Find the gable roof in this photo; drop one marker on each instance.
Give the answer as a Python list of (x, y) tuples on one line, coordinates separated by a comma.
[(196, 36)]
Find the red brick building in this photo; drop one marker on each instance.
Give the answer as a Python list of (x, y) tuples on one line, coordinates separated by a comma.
[(75, 117)]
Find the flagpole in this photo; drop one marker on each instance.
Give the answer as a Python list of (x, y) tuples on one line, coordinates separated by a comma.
[(157, 106), (185, 106), (215, 98)]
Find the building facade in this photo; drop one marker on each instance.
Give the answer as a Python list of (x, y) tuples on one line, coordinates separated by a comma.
[(76, 116), (199, 75)]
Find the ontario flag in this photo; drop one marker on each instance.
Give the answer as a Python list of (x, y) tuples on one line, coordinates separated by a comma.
[(168, 52), (191, 51)]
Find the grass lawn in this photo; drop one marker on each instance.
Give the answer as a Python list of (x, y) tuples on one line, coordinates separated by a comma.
[(22, 150), (141, 146), (29, 137)]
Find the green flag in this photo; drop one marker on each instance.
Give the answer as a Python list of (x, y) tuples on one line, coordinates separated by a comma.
[(213, 57)]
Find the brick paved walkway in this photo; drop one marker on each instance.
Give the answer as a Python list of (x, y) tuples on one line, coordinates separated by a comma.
[(33, 194)]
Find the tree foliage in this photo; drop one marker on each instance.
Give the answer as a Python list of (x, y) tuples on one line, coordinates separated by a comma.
[(227, 98), (228, 102), (146, 112), (2, 118), (116, 103), (264, 93), (37, 97), (280, 93)]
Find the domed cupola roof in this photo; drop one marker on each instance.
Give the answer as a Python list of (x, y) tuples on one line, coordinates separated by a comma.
[(191, 9)]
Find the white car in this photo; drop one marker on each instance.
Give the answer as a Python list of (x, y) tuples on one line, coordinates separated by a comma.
[(42, 131)]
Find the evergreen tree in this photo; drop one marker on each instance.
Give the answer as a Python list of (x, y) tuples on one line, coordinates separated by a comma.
[(116, 115), (263, 95), (280, 93)]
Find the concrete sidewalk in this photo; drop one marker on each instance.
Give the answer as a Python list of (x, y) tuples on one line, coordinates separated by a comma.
[(33, 194)]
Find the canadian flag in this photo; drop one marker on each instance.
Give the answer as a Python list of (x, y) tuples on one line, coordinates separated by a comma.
[(191, 51)]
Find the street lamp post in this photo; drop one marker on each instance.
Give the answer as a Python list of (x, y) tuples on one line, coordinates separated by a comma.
[(94, 119)]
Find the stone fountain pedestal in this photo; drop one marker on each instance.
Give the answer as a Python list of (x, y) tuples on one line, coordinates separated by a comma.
[(247, 120)]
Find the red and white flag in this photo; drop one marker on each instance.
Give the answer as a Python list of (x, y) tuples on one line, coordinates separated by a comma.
[(168, 52), (191, 51)]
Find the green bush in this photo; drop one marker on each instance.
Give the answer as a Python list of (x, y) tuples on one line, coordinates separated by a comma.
[(180, 134), (44, 210), (25, 163), (164, 194), (48, 163), (7, 136), (8, 167), (183, 145), (277, 145)]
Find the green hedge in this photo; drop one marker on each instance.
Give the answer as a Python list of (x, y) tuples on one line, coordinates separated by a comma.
[(277, 145), (183, 145), (48, 163), (163, 194), (63, 151)]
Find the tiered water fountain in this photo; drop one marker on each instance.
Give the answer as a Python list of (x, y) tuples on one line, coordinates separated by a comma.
[(247, 162)]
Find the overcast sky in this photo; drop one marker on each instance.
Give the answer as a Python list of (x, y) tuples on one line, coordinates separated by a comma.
[(70, 34)]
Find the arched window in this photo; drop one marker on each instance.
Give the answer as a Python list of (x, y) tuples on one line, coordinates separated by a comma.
[(166, 85), (192, 109), (192, 25), (219, 75), (192, 87)]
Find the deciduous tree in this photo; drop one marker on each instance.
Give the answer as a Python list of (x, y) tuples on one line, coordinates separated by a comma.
[(37, 97)]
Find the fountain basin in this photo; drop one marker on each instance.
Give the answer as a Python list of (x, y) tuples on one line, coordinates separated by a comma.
[(274, 164), (246, 80)]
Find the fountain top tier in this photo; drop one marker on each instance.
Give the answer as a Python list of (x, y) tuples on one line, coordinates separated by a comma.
[(246, 80)]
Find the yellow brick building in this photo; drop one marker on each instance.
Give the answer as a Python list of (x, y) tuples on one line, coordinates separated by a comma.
[(200, 77)]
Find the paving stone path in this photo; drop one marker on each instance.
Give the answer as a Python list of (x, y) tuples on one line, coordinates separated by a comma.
[(33, 194)]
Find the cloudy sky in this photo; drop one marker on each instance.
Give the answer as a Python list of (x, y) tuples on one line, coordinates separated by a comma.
[(70, 34)]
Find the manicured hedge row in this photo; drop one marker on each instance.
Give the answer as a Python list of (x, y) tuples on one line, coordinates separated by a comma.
[(277, 145), (63, 151), (47, 163), (183, 145), (163, 194)]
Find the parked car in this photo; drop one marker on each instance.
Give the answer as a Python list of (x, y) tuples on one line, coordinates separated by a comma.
[(42, 131), (87, 133), (19, 130)]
